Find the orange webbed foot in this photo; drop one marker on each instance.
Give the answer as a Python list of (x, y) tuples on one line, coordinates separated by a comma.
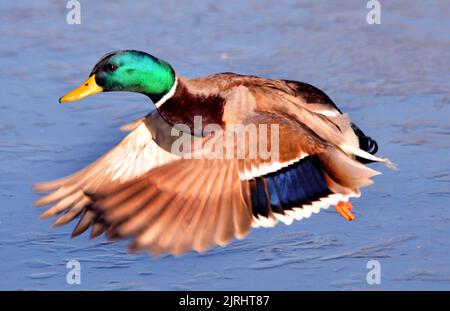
[(345, 210)]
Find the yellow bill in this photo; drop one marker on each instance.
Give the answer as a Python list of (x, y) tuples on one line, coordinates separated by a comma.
[(89, 87)]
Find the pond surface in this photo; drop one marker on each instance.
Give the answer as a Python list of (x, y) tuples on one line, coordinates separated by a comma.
[(392, 78)]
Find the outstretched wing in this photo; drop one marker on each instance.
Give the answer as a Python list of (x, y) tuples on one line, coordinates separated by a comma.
[(196, 203), (136, 154)]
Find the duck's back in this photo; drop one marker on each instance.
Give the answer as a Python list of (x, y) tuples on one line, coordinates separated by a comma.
[(304, 94)]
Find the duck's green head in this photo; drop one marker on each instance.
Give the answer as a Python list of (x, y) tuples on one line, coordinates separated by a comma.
[(129, 70)]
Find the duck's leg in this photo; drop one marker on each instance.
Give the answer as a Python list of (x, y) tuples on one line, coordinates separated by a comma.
[(345, 210)]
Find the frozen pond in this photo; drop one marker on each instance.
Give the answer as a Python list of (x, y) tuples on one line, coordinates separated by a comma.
[(392, 78)]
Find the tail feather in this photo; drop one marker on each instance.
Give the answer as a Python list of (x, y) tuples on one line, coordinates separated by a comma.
[(346, 171), (365, 143)]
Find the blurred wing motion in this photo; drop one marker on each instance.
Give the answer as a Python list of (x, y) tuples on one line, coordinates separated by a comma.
[(136, 154), (197, 203)]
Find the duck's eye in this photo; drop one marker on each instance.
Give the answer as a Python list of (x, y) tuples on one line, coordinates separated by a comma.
[(111, 67)]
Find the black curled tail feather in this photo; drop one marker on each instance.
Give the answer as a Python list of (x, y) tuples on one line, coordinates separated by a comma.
[(365, 143)]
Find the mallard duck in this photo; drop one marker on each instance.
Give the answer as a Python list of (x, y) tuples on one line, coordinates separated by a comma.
[(167, 203)]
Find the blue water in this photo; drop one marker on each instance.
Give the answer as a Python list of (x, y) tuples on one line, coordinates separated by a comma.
[(392, 78)]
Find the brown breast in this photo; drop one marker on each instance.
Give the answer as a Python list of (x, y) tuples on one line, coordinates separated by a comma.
[(184, 105)]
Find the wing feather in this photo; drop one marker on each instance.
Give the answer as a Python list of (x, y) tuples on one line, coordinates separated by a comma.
[(136, 154)]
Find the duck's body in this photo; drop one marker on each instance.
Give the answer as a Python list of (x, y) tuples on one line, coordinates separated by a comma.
[(214, 99), (170, 203)]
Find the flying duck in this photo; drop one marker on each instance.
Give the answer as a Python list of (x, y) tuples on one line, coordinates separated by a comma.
[(165, 202)]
